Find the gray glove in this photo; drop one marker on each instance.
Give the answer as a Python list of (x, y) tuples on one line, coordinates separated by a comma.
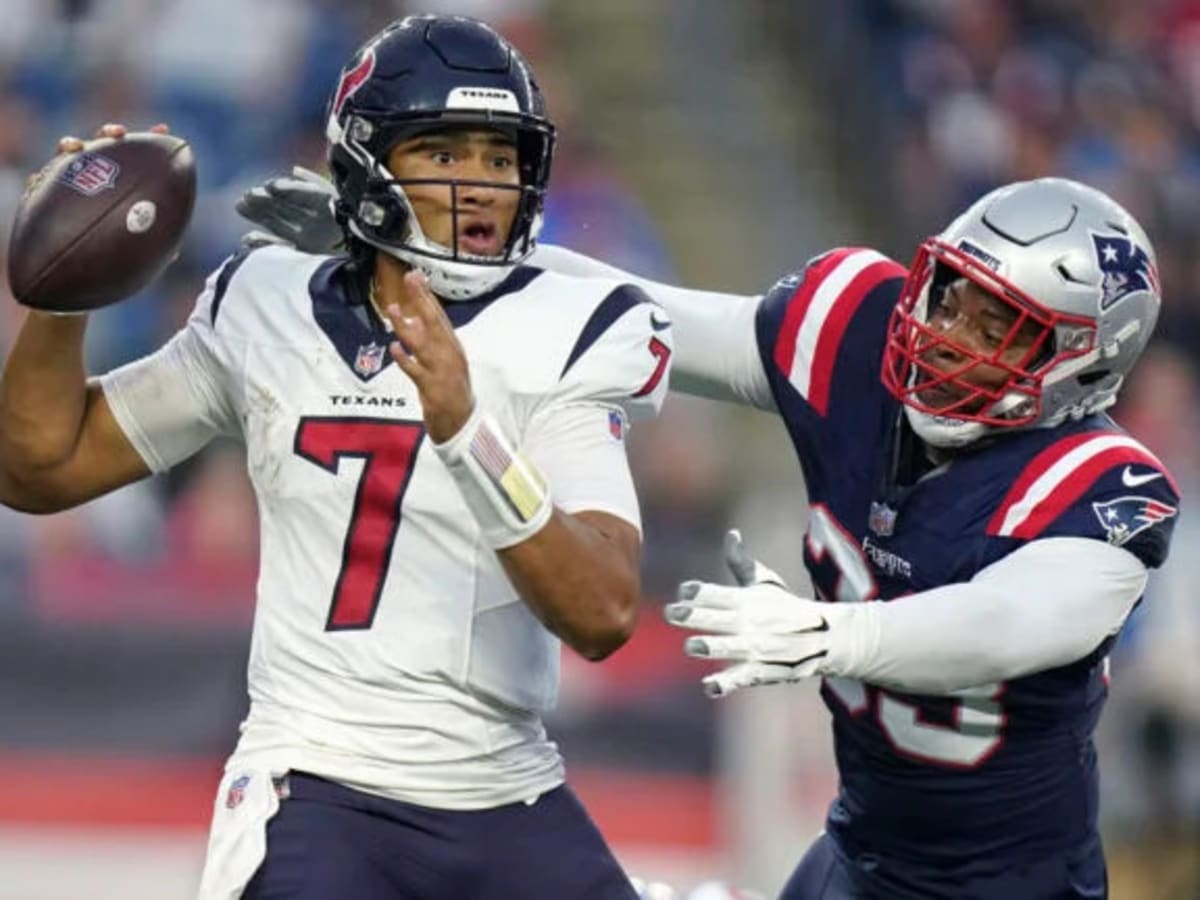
[(295, 209)]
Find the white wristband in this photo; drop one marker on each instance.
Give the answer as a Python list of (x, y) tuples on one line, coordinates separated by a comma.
[(506, 493)]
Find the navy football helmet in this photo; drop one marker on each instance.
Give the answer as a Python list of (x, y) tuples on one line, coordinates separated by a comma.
[(420, 74)]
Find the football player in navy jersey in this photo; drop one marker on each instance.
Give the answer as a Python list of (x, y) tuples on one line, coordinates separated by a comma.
[(949, 420)]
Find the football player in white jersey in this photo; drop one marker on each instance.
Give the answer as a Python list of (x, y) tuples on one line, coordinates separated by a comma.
[(949, 419), (435, 436)]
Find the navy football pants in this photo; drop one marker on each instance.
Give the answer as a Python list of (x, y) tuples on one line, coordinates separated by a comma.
[(328, 842), (826, 874), (822, 875)]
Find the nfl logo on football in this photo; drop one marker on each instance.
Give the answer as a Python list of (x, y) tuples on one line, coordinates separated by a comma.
[(90, 174), (369, 359)]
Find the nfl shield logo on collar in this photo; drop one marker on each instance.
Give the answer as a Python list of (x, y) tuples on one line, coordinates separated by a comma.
[(882, 520), (90, 174), (369, 359)]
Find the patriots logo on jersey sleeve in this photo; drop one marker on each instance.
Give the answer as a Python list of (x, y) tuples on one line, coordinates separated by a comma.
[(1128, 516), (1126, 268)]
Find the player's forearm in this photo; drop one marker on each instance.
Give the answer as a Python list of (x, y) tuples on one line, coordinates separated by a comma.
[(716, 352), (578, 573), (43, 394), (1046, 605), (579, 576)]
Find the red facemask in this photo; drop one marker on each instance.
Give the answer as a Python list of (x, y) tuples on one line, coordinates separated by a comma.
[(911, 376)]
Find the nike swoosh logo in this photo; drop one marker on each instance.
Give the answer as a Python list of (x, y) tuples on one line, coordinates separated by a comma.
[(659, 324), (1130, 480)]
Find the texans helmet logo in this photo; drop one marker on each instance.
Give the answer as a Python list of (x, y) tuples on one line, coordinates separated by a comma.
[(1127, 516), (1125, 266), (352, 80)]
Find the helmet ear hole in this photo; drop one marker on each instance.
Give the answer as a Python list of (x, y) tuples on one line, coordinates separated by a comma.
[(1087, 379), (943, 276)]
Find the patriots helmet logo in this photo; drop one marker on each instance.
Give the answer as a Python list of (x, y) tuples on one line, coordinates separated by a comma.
[(1127, 516), (1125, 268)]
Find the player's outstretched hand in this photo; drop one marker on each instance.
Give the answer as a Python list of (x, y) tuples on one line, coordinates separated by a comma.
[(428, 350), (296, 209), (771, 635)]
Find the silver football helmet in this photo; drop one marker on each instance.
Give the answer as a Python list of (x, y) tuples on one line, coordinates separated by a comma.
[(1080, 274)]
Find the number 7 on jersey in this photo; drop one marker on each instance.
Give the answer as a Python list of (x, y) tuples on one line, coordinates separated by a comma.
[(388, 449)]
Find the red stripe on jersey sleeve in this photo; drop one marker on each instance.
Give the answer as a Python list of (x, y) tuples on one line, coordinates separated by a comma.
[(785, 343), (1075, 485), (1032, 472), (835, 326)]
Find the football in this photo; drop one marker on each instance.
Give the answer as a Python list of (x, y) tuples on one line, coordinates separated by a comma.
[(100, 224)]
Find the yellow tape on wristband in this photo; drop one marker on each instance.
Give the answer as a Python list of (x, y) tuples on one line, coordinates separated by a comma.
[(517, 480), (523, 488)]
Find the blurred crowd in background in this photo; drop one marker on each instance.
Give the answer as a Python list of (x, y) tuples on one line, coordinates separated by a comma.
[(124, 624)]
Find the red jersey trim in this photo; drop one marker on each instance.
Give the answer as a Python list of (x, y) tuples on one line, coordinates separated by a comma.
[(1061, 474), (819, 313)]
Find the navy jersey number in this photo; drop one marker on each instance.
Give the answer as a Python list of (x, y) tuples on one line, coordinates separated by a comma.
[(977, 716)]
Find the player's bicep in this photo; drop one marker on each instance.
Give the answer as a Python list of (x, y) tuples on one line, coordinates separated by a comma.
[(1065, 595), (1047, 604), (580, 450), (102, 460), (172, 403), (622, 536)]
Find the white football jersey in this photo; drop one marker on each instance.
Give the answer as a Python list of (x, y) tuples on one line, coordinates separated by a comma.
[(390, 651)]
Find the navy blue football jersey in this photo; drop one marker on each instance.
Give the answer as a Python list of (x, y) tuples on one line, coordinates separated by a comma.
[(995, 776)]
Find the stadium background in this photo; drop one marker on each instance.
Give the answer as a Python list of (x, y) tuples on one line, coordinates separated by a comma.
[(713, 142)]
